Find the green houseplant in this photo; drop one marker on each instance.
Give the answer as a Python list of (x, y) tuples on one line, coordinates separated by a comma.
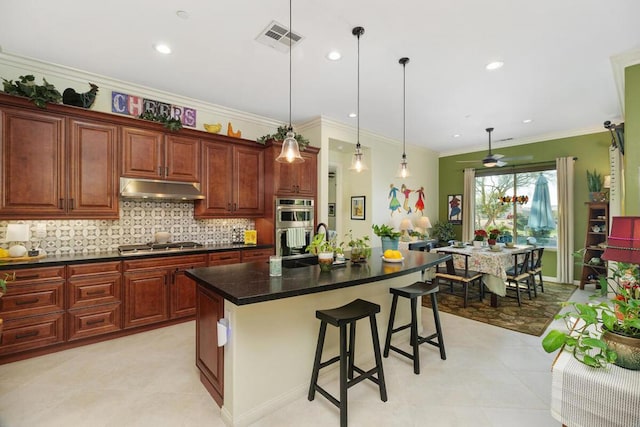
[(38, 94), (388, 236), (443, 231), (360, 247), (595, 183), (603, 332), (280, 135), (324, 249)]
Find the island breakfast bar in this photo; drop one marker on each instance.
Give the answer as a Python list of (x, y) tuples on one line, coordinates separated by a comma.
[(272, 328)]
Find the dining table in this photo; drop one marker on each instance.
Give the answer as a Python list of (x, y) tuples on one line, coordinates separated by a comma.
[(493, 264)]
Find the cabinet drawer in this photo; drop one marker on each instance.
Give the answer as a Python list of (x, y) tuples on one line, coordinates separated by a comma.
[(32, 332), (28, 300), (17, 277), (256, 255), (94, 290), (154, 263), (224, 258), (86, 322), (94, 269)]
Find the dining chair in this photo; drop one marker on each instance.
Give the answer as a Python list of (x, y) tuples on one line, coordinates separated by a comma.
[(536, 268), (518, 277), (464, 277)]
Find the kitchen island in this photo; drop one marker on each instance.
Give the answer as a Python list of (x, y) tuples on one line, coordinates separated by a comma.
[(272, 328)]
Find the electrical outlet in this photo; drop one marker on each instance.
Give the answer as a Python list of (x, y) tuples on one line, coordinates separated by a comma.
[(41, 230)]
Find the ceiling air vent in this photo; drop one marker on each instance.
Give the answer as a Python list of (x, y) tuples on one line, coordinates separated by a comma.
[(276, 35)]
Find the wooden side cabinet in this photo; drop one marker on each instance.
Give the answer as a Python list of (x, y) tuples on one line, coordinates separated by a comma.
[(296, 179), (210, 357), (593, 266)]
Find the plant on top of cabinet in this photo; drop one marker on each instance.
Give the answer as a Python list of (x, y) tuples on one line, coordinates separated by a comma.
[(40, 95), (280, 135), (168, 122)]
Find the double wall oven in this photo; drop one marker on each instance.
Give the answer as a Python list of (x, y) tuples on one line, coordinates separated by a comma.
[(294, 226)]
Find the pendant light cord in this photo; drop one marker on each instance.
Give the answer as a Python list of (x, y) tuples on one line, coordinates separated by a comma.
[(404, 62), (358, 97), (290, 80)]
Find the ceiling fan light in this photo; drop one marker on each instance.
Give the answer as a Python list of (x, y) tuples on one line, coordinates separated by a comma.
[(490, 163)]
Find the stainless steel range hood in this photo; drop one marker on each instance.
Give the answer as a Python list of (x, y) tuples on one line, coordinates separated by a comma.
[(156, 189)]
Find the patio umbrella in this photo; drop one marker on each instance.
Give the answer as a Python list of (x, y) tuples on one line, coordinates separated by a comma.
[(541, 216)]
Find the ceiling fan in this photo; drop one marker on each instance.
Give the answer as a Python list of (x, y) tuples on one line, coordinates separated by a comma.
[(492, 160)]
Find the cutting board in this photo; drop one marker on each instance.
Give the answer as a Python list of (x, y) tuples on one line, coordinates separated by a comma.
[(21, 258)]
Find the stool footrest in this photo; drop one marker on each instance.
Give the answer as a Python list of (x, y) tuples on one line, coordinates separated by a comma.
[(328, 395), (330, 361), (402, 352), (401, 328), (363, 376)]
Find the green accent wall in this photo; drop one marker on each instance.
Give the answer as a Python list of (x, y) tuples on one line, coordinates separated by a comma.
[(591, 150), (632, 138)]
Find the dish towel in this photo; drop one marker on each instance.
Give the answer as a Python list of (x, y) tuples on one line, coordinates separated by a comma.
[(295, 237)]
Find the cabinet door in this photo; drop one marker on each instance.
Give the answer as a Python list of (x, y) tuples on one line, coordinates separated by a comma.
[(145, 297), (183, 293), (210, 357), (249, 181), (33, 163), (217, 186), (307, 175), (142, 153), (93, 170), (182, 158)]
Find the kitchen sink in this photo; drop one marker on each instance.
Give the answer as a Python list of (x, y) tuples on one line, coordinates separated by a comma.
[(305, 261)]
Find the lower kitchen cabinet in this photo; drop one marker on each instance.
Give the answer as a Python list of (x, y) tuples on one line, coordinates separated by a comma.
[(157, 290), (92, 321), (225, 258), (210, 357), (32, 309), (256, 255)]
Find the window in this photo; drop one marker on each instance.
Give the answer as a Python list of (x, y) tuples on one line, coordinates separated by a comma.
[(525, 216)]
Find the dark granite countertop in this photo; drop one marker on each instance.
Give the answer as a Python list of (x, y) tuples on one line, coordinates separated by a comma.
[(52, 261), (250, 283)]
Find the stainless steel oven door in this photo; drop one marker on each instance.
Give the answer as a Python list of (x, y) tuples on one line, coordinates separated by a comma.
[(283, 247)]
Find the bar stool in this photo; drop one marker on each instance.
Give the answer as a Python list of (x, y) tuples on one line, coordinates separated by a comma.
[(413, 292), (341, 317)]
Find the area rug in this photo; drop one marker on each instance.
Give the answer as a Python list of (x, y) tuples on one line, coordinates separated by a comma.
[(532, 318)]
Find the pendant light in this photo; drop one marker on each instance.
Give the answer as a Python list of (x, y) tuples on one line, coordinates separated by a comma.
[(403, 169), (290, 152), (357, 164)]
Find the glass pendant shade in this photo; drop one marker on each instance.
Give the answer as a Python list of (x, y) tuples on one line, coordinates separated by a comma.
[(357, 164), (403, 169), (290, 152)]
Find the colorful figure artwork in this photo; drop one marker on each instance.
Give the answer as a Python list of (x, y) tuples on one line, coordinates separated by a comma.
[(404, 190), (455, 208), (420, 201), (394, 204)]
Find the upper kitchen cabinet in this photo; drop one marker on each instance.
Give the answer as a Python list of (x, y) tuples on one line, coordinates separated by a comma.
[(295, 179), (155, 155), (232, 181), (56, 167)]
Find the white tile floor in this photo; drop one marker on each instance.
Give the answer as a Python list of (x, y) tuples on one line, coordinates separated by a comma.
[(492, 377)]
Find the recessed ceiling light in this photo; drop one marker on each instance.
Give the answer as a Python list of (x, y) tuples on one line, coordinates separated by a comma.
[(353, 115), (494, 65), (182, 14), (334, 55), (162, 48), (456, 135), (527, 121)]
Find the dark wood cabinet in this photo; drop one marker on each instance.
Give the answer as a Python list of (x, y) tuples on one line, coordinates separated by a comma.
[(55, 167), (256, 255), (232, 181), (32, 309), (296, 179), (93, 299), (155, 155), (225, 258), (210, 357), (156, 289), (593, 266)]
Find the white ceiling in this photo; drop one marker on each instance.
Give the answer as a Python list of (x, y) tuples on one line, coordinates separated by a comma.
[(557, 55)]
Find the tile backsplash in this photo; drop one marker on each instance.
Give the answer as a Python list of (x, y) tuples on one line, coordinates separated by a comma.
[(139, 221)]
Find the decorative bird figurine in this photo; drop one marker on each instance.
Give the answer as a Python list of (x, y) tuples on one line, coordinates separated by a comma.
[(230, 131), (84, 100), (213, 128)]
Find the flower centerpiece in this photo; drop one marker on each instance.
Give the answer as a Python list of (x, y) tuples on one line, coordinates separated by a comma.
[(478, 237), (604, 332), (493, 236)]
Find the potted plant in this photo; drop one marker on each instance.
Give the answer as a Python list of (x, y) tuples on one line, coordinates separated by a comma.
[(38, 94), (280, 135), (604, 332), (493, 236), (478, 237), (443, 231), (360, 247), (388, 236), (324, 249), (595, 182)]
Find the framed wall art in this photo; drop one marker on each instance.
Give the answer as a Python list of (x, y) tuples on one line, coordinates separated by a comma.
[(357, 207), (454, 208), (332, 209)]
